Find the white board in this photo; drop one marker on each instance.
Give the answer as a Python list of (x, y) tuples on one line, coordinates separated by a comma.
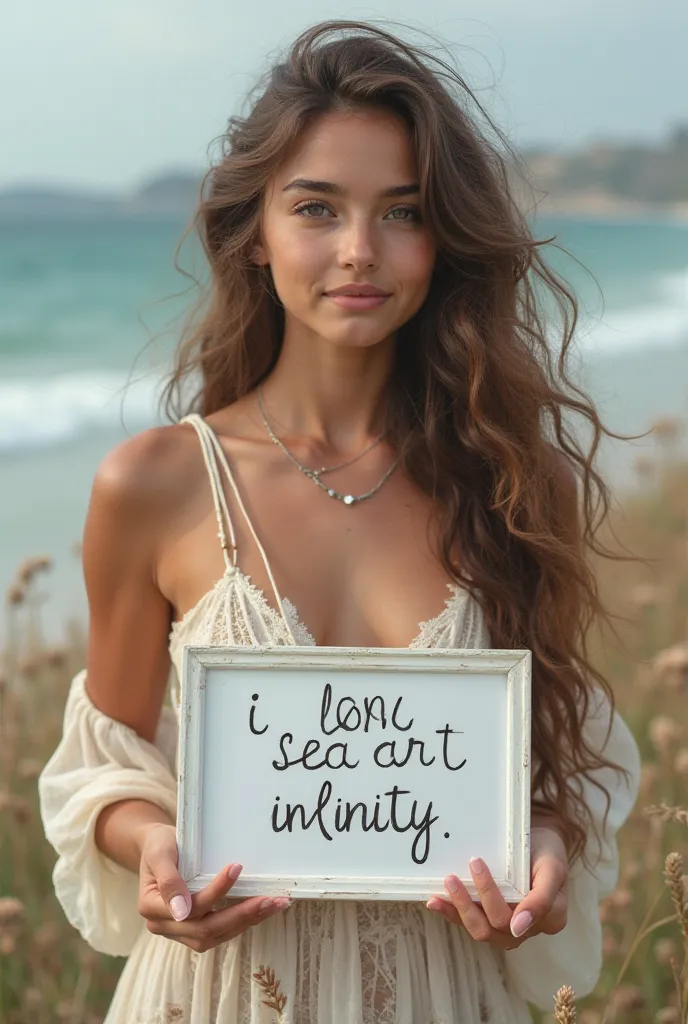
[(354, 773)]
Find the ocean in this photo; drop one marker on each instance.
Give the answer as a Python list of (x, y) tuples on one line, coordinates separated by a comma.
[(89, 316)]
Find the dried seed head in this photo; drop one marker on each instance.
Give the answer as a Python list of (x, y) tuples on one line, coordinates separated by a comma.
[(15, 594), (621, 898), (564, 1006), (667, 429), (11, 910), (681, 762), (29, 666), (673, 873), (628, 998), (16, 806), (55, 657), (665, 951), (670, 667), (8, 945), (30, 567), (668, 1015), (665, 812), (33, 999), (663, 732), (632, 870)]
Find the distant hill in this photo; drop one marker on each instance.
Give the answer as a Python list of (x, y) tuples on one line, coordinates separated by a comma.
[(173, 194), (602, 178), (608, 177)]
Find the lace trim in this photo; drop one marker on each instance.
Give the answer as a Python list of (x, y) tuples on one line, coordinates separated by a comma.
[(440, 626)]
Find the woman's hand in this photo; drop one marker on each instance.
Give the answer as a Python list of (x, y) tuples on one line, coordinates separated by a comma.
[(495, 921), (169, 908)]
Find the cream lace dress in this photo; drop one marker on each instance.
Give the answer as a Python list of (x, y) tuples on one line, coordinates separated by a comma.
[(337, 962)]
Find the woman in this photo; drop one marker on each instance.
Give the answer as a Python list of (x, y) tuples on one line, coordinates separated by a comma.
[(380, 424)]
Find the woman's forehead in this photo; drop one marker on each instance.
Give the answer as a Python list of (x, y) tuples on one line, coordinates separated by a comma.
[(371, 150)]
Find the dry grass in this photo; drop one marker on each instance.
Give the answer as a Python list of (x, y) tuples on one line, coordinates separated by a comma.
[(48, 974)]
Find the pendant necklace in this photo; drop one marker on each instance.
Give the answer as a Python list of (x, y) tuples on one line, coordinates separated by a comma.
[(315, 474)]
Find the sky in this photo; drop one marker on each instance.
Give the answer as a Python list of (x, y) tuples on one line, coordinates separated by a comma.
[(108, 95)]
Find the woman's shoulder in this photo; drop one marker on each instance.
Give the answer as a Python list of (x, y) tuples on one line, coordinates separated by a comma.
[(150, 476)]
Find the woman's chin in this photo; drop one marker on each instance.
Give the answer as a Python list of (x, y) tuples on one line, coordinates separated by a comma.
[(355, 339)]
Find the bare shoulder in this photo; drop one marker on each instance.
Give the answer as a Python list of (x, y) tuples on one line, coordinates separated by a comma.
[(149, 467), (138, 488)]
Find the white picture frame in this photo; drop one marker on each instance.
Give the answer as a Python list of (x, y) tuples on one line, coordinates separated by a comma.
[(228, 777)]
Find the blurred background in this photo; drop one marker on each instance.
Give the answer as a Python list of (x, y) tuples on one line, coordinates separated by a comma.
[(108, 117)]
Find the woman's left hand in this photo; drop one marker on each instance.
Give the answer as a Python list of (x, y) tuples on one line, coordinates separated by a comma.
[(495, 921)]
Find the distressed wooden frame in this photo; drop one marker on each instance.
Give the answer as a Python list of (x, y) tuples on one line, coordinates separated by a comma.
[(516, 666)]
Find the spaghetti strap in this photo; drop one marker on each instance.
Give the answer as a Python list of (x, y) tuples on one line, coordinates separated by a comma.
[(213, 453), (216, 488)]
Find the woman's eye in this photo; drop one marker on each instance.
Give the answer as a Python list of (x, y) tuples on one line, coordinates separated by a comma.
[(315, 210), (305, 208), (412, 211)]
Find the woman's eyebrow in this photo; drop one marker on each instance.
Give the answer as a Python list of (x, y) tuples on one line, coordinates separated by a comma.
[(329, 187)]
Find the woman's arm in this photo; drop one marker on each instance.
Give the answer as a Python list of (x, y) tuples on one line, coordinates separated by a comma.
[(137, 496), (128, 662)]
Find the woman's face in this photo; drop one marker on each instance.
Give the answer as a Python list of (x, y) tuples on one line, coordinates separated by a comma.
[(341, 212)]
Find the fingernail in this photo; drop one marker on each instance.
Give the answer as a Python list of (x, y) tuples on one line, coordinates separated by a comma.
[(179, 907), (434, 904), (477, 865), (451, 883), (278, 903), (521, 923), (234, 872)]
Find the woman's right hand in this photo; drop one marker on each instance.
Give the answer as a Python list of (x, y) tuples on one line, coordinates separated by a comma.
[(169, 908)]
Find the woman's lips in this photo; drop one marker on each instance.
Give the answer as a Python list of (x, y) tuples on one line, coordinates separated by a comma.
[(358, 301)]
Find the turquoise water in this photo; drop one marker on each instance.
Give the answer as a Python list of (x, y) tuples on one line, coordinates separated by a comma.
[(80, 301)]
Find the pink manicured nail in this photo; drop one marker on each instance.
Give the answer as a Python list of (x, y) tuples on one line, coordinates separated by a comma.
[(451, 883), (521, 923), (234, 872), (272, 905), (179, 908), (477, 865)]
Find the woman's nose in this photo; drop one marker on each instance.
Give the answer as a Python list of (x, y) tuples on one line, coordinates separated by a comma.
[(358, 246)]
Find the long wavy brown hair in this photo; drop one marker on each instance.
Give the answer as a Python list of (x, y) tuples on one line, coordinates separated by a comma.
[(479, 402)]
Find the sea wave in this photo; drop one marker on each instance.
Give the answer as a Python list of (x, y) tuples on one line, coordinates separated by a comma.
[(42, 411), (662, 321)]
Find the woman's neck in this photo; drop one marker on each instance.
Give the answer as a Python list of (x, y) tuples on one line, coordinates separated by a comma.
[(333, 395)]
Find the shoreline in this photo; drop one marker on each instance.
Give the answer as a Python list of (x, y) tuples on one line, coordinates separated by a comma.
[(602, 208)]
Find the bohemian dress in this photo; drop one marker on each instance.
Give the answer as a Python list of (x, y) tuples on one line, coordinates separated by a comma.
[(336, 961)]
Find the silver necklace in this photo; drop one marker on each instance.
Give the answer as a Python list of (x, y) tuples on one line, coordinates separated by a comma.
[(315, 474)]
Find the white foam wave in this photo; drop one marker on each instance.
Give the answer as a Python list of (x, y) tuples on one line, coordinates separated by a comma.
[(45, 410), (37, 412), (660, 322)]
